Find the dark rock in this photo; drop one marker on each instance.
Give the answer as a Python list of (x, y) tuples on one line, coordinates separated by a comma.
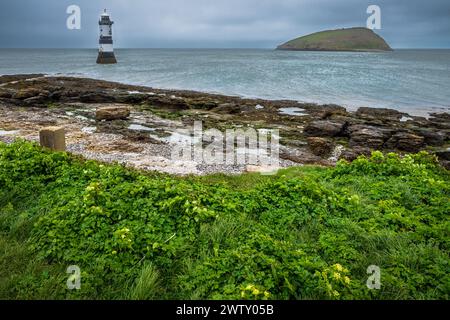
[(52, 88), (440, 120), (332, 110), (55, 96), (335, 109), (419, 121), (367, 136), (445, 164), (203, 104), (96, 97), (352, 154), (227, 108), (165, 102), (5, 94), (379, 113), (26, 93), (297, 143), (303, 157), (432, 137), (70, 94), (37, 101), (19, 77), (405, 141), (41, 99), (440, 117), (444, 154), (131, 98), (324, 128), (320, 146)]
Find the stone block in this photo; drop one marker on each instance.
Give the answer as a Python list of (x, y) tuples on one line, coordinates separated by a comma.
[(112, 113), (53, 138)]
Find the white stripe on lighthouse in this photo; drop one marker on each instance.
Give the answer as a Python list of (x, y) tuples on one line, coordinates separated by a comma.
[(106, 47)]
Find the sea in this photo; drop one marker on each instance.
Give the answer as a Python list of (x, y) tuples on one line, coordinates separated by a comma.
[(412, 81)]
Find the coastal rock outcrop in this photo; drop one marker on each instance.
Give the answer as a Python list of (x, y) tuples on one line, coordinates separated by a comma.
[(96, 97), (167, 102), (431, 137), (440, 120), (309, 136), (367, 136), (330, 110), (353, 153), (405, 141), (23, 94), (324, 128), (6, 94), (19, 77), (379, 113), (227, 108)]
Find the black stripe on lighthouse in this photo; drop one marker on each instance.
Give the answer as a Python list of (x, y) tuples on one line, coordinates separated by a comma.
[(106, 40)]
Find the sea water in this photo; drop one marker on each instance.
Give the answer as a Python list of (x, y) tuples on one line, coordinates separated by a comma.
[(413, 81)]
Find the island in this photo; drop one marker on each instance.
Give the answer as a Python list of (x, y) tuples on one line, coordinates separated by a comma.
[(350, 39)]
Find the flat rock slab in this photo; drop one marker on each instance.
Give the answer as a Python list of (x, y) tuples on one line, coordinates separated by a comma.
[(53, 138), (324, 128), (112, 113)]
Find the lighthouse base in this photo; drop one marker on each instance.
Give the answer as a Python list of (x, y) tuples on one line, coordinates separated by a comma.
[(106, 58)]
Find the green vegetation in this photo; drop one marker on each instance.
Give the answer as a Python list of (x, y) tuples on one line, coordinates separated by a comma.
[(306, 233), (162, 113), (352, 39)]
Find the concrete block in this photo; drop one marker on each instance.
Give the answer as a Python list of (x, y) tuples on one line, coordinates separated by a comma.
[(53, 138)]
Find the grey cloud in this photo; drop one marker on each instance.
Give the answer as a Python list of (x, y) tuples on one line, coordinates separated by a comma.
[(218, 23)]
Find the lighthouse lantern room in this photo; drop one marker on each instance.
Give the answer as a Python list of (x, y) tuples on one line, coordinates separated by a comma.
[(106, 50)]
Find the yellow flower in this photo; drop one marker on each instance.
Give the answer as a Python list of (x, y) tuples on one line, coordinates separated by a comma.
[(347, 280), (336, 275), (255, 291), (266, 294), (338, 267)]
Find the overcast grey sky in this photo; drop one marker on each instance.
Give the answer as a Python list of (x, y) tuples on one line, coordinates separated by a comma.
[(218, 23)]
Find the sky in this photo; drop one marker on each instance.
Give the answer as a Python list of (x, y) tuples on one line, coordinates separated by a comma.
[(218, 23)]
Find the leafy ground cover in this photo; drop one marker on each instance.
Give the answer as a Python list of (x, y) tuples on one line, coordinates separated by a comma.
[(306, 233)]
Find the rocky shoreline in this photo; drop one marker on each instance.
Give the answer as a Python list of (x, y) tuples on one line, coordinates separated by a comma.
[(310, 133)]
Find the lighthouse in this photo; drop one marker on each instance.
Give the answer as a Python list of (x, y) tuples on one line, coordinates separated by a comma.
[(106, 51)]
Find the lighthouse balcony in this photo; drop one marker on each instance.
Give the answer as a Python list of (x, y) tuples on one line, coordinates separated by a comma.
[(105, 22)]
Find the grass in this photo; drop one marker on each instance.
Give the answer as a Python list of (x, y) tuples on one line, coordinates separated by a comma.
[(146, 286), (24, 276), (305, 233)]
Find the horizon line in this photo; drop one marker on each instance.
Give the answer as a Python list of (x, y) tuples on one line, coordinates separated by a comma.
[(196, 48)]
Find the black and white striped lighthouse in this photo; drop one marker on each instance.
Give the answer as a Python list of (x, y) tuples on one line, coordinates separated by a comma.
[(106, 50)]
